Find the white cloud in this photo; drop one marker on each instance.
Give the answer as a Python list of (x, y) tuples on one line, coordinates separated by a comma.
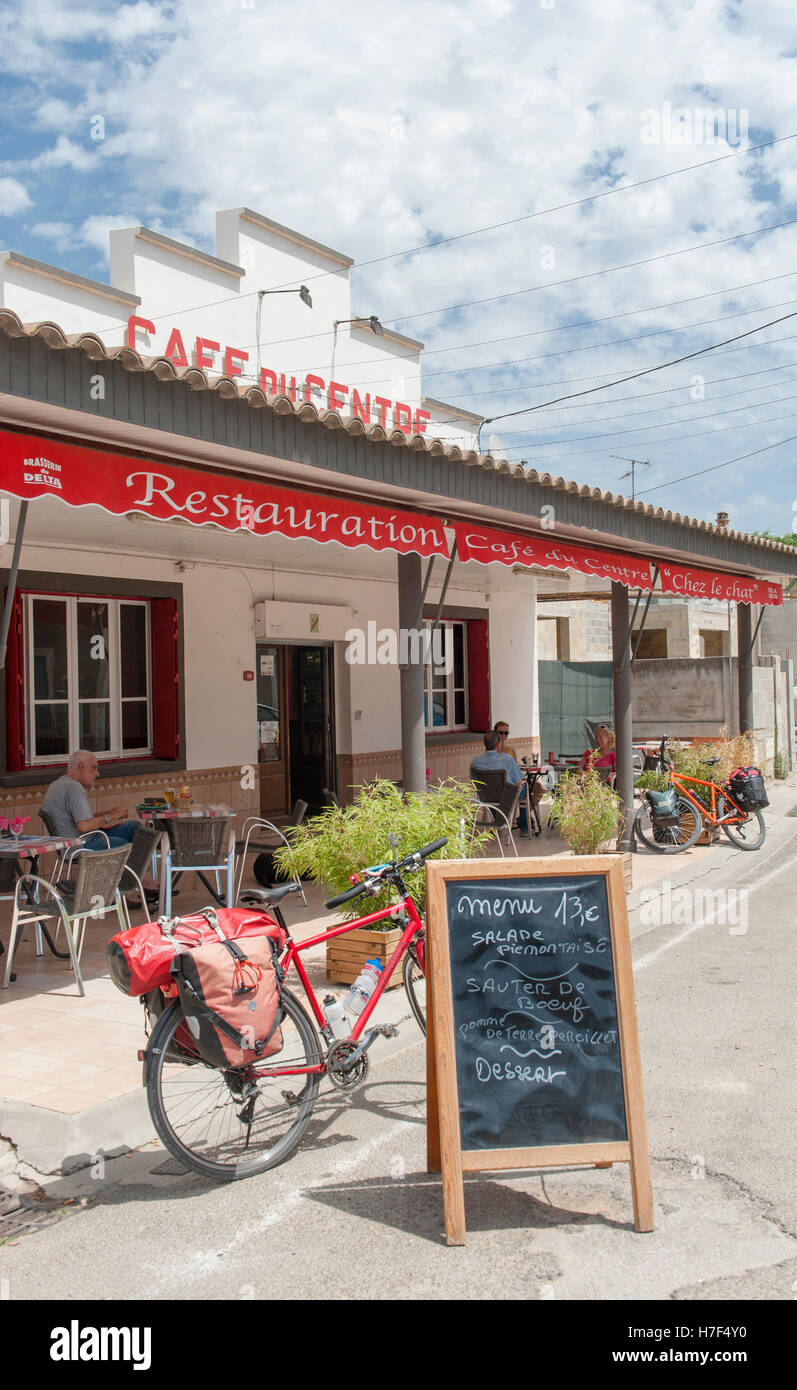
[(14, 197), (64, 154), (383, 125), (61, 234)]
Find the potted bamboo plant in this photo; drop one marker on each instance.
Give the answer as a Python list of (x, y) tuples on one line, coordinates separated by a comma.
[(589, 815), (344, 840)]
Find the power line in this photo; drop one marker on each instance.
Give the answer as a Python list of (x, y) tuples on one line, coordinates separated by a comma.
[(543, 462), (687, 477), (559, 207), (664, 424), (646, 371)]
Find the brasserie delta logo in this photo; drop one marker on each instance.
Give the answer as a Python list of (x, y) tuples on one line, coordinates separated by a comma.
[(42, 471), (76, 1343)]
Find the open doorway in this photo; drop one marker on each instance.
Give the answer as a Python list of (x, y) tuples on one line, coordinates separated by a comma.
[(296, 726)]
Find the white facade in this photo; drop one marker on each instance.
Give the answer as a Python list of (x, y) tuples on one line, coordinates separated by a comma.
[(221, 313)]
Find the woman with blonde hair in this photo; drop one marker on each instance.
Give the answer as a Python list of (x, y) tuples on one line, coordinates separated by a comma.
[(603, 755)]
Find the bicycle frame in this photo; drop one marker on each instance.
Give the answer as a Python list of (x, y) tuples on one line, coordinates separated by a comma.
[(679, 780), (293, 957)]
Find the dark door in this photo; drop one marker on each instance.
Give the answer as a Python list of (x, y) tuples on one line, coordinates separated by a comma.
[(272, 727), (311, 725)]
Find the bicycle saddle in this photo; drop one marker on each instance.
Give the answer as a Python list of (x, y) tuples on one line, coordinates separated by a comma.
[(263, 897)]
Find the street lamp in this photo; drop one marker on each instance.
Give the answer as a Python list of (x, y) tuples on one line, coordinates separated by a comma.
[(304, 295), (371, 322)]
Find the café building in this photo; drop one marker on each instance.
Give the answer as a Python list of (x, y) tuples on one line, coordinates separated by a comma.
[(226, 496)]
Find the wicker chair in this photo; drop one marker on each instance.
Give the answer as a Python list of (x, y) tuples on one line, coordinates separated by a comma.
[(145, 843), (196, 844), (95, 892), (500, 798), (273, 839)]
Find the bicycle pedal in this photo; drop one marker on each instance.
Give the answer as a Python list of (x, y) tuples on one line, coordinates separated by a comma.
[(290, 1098)]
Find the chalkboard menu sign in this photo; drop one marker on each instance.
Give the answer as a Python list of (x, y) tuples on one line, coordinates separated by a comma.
[(532, 1052)]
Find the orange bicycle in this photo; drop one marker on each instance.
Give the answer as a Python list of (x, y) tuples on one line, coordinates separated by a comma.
[(670, 823)]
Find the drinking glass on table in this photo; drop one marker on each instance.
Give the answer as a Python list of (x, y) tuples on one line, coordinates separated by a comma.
[(168, 795)]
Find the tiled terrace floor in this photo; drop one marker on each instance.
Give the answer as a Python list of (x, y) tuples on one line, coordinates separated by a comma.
[(64, 1053)]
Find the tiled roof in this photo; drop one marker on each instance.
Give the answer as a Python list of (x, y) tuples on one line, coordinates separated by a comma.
[(165, 370)]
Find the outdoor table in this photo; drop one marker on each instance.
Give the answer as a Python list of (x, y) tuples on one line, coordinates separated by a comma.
[(30, 847), (156, 815)]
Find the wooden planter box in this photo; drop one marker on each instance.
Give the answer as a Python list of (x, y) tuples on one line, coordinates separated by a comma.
[(346, 955), (709, 835)]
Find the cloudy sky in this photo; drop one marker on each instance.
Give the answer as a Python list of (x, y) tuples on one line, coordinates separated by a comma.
[(381, 127)]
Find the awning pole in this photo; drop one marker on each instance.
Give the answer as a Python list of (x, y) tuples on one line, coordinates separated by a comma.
[(425, 590), (744, 626), (757, 626), (446, 582), (644, 616), (411, 679), (621, 673), (12, 581)]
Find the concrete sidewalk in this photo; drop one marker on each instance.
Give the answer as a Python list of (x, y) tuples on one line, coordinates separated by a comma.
[(70, 1082)]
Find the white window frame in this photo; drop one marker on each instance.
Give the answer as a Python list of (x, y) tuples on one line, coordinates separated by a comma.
[(115, 699), (450, 687)]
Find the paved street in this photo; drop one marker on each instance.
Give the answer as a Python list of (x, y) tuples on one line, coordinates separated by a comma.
[(719, 1045)]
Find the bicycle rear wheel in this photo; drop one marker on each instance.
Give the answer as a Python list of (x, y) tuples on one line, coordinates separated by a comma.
[(668, 839), (747, 834), (415, 985), (232, 1124)]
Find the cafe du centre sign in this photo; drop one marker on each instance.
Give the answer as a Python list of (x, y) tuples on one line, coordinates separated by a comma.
[(338, 396)]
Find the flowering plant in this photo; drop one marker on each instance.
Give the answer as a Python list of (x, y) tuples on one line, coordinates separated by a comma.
[(13, 827)]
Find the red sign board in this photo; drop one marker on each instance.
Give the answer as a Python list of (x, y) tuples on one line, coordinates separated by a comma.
[(551, 552), (736, 588), (31, 466)]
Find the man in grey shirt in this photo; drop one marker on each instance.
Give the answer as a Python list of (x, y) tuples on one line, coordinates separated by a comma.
[(491, 760), (67, 805)]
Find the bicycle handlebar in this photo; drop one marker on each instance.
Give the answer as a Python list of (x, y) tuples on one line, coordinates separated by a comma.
[(384, 870)]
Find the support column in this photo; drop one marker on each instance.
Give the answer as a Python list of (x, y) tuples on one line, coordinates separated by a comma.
[(744, 633), (621, 666), (413, 734)]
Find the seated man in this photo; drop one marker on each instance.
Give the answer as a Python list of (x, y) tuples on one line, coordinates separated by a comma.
[(68, 807), (490, 760)]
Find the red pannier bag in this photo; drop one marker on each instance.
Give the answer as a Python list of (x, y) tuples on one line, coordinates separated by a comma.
[(140, 959), (230, 992)]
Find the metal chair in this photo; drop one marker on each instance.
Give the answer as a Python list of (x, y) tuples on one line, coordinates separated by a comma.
[(65, 854), (331, 798), (252, 826), (145, 843), (95, 891), (198, 844), (501, 798)]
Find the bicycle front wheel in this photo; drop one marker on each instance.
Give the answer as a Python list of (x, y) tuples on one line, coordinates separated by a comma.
[(232, 1124), (668, 839), (415, 985), (747, 834)]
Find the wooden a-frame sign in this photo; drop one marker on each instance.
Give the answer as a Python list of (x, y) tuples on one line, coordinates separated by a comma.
[(543, 942)]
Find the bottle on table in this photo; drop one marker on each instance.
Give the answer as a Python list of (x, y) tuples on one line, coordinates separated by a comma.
[(363, 987)]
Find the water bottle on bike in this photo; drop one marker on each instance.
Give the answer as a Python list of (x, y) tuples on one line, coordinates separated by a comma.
[(363, 987)]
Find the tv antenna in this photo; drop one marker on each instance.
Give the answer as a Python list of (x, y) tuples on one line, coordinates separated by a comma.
[(635, 463)]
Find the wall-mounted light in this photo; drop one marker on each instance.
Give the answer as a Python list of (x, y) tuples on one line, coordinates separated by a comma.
[(371, 322)]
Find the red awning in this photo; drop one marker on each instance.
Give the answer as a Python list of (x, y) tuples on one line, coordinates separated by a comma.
[(32, 466), (738, 588), (509, 548)]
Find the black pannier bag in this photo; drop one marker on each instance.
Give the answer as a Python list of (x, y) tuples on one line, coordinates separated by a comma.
[(664, 807), (746, 786)]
